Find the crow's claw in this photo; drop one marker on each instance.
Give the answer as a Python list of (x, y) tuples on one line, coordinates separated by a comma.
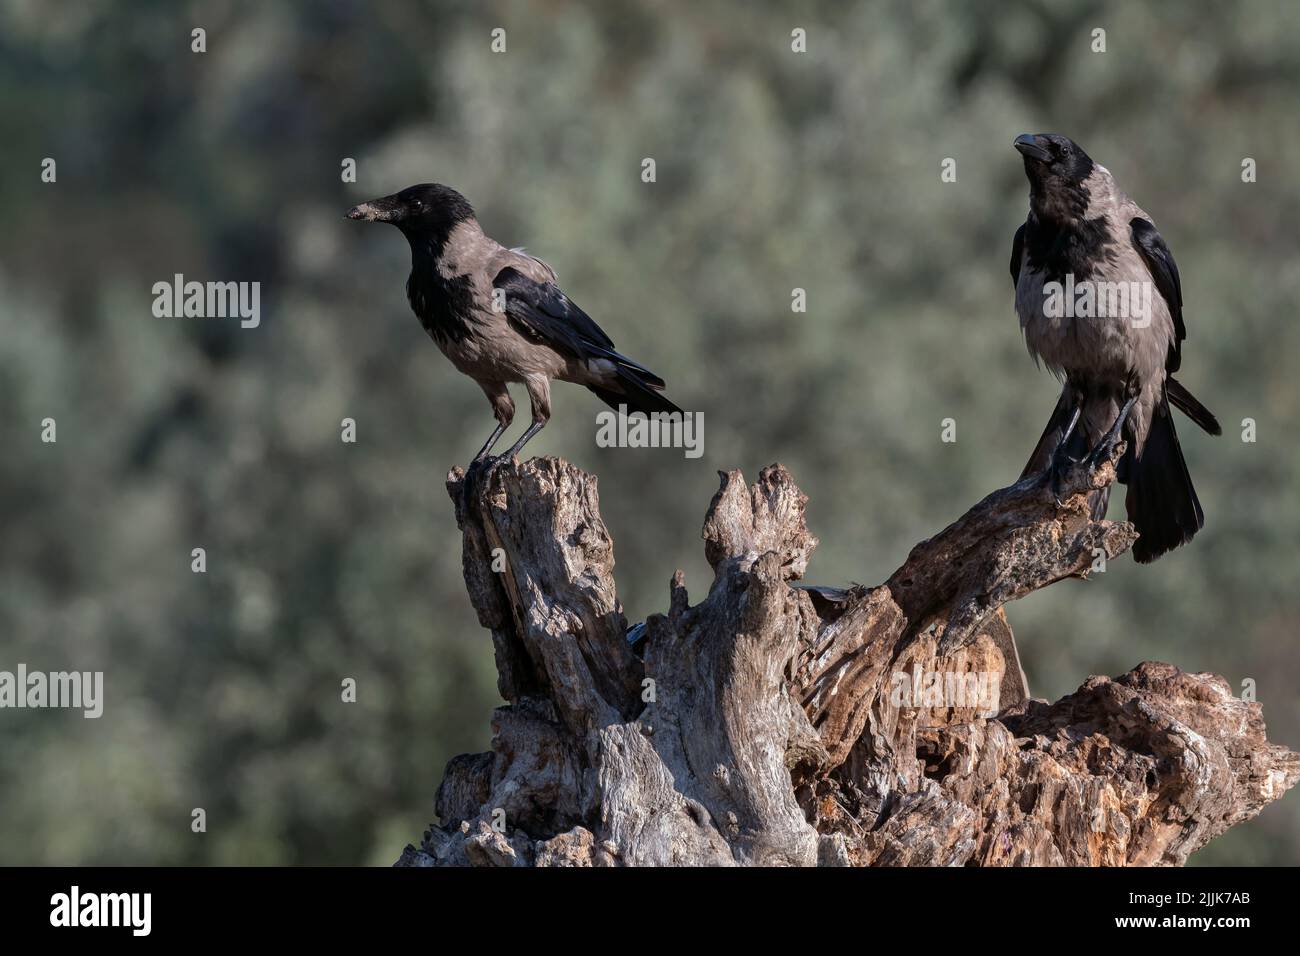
[(1061, 463), (1106, 447), (1102, 452), (480, 472)]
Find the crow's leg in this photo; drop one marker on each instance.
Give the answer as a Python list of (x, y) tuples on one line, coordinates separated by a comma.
[(1107, 444), (539, 393), (487, 446), (518, 446), (503, 407), (1061, 460)]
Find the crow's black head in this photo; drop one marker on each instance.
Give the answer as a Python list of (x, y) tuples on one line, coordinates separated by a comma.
[(1052, 156), (427, 211), (1057, 168)]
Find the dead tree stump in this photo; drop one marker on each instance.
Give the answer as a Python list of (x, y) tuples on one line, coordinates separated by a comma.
[(776, 724)]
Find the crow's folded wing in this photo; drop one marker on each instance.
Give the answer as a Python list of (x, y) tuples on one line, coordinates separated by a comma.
[(1160, 262), (1017, 253), (542, 313)]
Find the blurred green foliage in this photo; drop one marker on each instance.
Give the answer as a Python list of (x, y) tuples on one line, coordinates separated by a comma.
[(776, 170)]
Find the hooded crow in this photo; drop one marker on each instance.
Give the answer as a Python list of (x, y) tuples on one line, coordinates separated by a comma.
[(499, 316), (1101, 304)]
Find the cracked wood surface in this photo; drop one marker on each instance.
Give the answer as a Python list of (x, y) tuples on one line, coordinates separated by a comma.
[(774, 723)]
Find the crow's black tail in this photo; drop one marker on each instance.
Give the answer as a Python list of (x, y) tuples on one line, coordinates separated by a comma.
[(1186, 402), (638, 389), (1161, 501)]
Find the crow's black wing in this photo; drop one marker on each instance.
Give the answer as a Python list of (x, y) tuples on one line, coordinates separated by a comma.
[(1017, 253), (1160, 261), (541, 312), (544, 314)]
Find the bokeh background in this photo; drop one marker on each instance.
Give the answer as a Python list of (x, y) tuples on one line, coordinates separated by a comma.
[(775, 170)]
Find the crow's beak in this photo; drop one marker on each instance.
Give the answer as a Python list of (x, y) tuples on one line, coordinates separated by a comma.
[(1032, 147), (377, 210)]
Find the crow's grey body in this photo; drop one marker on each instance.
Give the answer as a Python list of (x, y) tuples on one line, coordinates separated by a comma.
[(1117, 362), (1112, 354), (498, 315), (495, 353)]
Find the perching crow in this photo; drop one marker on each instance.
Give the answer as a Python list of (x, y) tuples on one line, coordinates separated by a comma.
[(1086, 235), (499, 316)]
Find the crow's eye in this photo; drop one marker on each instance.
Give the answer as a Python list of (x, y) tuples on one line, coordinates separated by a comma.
[(417, 204)]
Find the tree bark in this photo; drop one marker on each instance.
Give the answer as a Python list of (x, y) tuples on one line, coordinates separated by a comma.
[(777, 724)]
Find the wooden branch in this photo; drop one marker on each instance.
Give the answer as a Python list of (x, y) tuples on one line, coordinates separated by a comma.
[(774, 723), (947, 592)]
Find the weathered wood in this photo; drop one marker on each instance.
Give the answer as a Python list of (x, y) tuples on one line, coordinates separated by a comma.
[(780, 724)]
